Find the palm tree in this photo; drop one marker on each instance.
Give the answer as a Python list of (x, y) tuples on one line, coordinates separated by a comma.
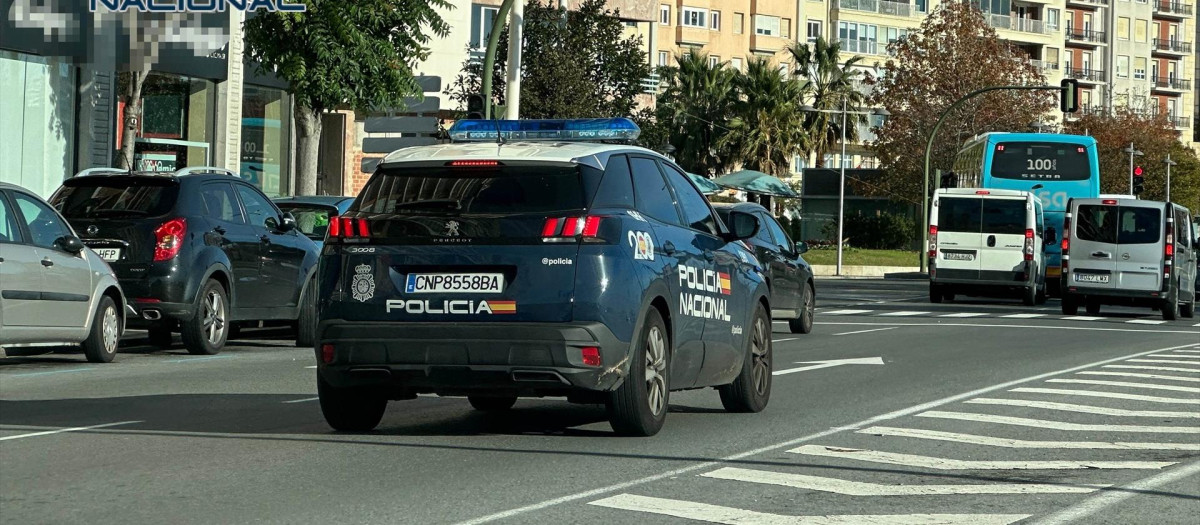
[(695, 108), (768, 127), (830, 84)]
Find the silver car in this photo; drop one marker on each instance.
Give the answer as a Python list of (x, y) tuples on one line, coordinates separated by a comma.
[(53, 289)]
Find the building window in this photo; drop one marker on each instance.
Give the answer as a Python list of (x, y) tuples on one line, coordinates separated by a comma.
[(264, 137), (714, 20), (923, 6), (39, 120), (1052, 19), (664, 15), (799, 163), (766, 25), (814, 30), (896, 33), (178, 122), (1122, 66), (1139, 68), (739, 21), (859, 38), (1052, 57), (482, 20), (735, 63), (714, 60), (1123, 28), (784, 69), (664, 58), (785, 27), (1140, 29), (693, 17)]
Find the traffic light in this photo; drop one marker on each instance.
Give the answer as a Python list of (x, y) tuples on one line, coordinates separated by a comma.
[(475, 106), (1068, 100), (1138, 180)]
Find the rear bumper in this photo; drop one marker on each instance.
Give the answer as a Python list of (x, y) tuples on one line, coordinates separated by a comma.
[(145, 313), (987, 278), (1123, 295), (525, 359)]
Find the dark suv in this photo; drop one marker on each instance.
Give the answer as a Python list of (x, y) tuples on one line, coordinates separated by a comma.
[(195, 250), (592, 271)]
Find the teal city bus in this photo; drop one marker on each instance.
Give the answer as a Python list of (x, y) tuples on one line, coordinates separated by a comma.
[(1054, 167)]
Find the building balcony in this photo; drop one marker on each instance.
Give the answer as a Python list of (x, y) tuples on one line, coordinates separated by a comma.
[(1044, 66), (1173, 47), (1086, 36), (882, 7), (1088, 4), (1179, 122), (1093, 110), (1094, 76), (863, 47), (1171, 84), (1170, 9), (1012, 23)]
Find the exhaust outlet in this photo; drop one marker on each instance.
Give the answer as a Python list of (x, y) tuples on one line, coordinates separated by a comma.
[(538, 376), (151, 315)]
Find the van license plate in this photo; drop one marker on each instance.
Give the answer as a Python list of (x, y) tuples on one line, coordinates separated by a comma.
[(1091, 278), (108, 254), (454, 283), (952, 256)]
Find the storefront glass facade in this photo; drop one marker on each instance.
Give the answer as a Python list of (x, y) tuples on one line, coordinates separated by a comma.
[(37, 116), (178, 115), (265, 121)]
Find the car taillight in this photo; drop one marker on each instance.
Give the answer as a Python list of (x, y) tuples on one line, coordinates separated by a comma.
[(1169, 251), (348, 228), (1028, 244), (932, 241), (1066, 243), (558, 229), (168, 239)]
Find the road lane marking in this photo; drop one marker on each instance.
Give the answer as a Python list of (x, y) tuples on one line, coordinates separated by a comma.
[(1112, 395), (193, 359), (62, 430), (581, 495), (1159, 368), (305, 400), (313, 366), (1177, 356), (866, 331), (1057, 425), (1142, 376), (1078, 512), (1146, 321), (858, 488), (1182, 351), (733, 516), (904, 313), (785, 340), (935, 463), (846, 312), (964, 314), (1022, 316), (972, 439), (1083, 409), (1175, 388), (1081, 318), (1166, 362), (30, 374), (948, 324), (829, 363)]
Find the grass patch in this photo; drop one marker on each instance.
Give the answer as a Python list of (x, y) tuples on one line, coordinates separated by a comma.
[(864, 257)]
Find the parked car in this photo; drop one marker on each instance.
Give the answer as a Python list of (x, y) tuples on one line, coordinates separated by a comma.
[(53, 289), (312, 213), (1127, 251), (195, 250), (789, 276)]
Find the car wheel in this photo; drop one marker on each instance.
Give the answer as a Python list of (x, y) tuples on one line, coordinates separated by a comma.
[(492, 404), (206, 332), (1070, 304), (639, 406), (350, 409), (752, 389), (1188, 309), (1029, 296), (101, 344), (160, 336), (1041, 295), (804, 323), (1170, 308), (1092, 306), (306, 327), (935, 293)]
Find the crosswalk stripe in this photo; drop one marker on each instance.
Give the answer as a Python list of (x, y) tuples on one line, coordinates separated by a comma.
[(1159, 368), (1175, 388), (1177, 356), (1187, 351), (912, 460), (964, 314), (903, 313), (1146, 321), (1164, 361), (846, 312), (1081, 318), (858, 488), (1111, 395), (1083, 409), (1143, 376), (1022, 316), (1056, 425), (733, 516), (972, 439)]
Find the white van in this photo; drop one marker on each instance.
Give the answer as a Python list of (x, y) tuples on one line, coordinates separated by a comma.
[(1129, 252), (987, 242)]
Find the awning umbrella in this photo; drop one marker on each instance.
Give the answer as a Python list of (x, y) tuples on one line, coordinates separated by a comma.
[(706, 186), (756, 182)]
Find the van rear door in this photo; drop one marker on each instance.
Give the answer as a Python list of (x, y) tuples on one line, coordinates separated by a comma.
[(1003, 224), (959, 236), (1117, 246)]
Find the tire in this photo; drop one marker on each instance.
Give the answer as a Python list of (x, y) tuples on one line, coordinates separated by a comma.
[(808, 304), (306, 326), (206, 332), (1188, 310), (492, 404), (1092, 306), (1029, 296), (161, 336), (1041, 295), (935, 293), (751, 391), (350, 409), (639, 406), (1070, 304), (1170, 309), (101, 343), (948, 295)]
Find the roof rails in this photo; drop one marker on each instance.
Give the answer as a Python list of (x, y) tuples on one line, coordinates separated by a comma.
[(93, 171), (192, 170)]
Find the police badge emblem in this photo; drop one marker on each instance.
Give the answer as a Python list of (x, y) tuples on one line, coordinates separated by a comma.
[(363, 286)]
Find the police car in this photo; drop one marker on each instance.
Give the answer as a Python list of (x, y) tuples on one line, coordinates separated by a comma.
[(538, 258)]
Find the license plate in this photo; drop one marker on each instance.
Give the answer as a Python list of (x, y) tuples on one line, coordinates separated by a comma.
[(108, 254), (454, 283), (951, 256), (1091, 278)]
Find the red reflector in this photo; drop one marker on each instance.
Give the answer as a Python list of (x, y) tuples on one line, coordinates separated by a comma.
[(550, 227), (1170, 250), (146, 300), (983, 192), (1109, 201), (327, 353), (591, 356), (591, 226), (473, 163), (363, 230), (571, 227)]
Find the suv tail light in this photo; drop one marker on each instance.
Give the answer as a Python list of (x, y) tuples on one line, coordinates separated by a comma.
[(168, 239), (348, 228), (559, 229), (932, 241), (1029, 244)]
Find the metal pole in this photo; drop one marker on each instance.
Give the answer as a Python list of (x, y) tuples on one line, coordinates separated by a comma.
[(489, 58), (1169, 163), (842, 192), (1131, 154), (512, 91)]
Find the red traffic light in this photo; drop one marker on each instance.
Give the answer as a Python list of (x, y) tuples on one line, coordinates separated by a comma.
[(1137, 172)]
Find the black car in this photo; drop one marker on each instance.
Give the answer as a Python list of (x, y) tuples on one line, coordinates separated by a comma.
[(195, 250), (313, 212), (592, 271), (790, 278)]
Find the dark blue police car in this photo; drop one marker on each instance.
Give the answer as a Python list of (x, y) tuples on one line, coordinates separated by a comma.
[(543, 265)]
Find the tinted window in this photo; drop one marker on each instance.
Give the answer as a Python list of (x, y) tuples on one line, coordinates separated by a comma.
[(311, 220), (1139, 226), (959, 215), (616, 188), (696, 213), (1121, 225), (258, 208), (95, 197), (781, 239), (1040, 161), (9, 230), (1096, 223), (1003, 216), (764, 233), (1182, 225), (653, 197), (466, 191), (44, 225), (221, 202)]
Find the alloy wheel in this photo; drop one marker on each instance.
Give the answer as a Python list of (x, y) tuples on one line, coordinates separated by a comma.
[(214, 317), (760, 352), (656, 365)]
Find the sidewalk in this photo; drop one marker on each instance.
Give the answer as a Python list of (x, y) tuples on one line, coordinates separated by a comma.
[(872, 272)]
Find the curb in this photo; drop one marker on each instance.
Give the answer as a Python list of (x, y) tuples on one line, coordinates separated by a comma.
[(876, 272)]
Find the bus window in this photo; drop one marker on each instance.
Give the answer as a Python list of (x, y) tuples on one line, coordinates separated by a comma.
[(1040, 161), (958, 215)]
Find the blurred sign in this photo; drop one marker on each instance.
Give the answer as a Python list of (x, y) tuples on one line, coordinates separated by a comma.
[(155, 161)]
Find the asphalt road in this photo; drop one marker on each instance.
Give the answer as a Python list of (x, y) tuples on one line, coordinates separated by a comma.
[(976, 411)]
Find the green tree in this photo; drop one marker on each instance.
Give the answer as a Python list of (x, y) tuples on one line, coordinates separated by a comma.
[(831, 83), (953, 53), (357, 54), (767, 128), (574, 64), (695, 109)]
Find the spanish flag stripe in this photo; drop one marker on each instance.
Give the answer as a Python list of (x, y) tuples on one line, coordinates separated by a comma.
[(503, 307)]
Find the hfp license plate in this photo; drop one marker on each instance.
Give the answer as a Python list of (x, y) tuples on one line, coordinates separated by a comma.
[(454, 283), (1091, 278), (952, 256), (108, 254)]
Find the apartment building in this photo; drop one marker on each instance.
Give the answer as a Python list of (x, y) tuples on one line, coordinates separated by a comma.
[(733, 31)]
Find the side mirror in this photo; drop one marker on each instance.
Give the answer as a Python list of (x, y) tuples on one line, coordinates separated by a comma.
[(801, 247), (742, 225), (1051, 236), (289, 222), (70, 244)]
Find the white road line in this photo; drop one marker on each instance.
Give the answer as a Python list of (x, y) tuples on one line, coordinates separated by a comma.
[(313, 366), (1083, 409), (1077, 513), (964, 314), (1159, 368), (1177, 356), (577, 496), (1175, 388), (732, 516), (1081, 318), (846, 312), (62, 430), (972, 439), (858, 488), (903, 313), (305, 400), (1057, 425), (913, 460), (1146, 321), (865, 331), (1165, 362), (1022, 316), (1111, 395), (1143, 376), (785, 340), (1186, 352), (950, 324)]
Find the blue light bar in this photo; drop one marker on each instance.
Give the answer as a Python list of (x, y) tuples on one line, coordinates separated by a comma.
[(592, 129)]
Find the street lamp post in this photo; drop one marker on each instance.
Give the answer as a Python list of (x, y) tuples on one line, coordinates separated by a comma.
[(1132, 153), (1169, 163)]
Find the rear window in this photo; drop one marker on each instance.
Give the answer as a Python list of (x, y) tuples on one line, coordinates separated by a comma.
[(1118, 224), (1040, 161), (472, 191), (959, 215), (1004, 216), (111, 197), (311, 220)]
